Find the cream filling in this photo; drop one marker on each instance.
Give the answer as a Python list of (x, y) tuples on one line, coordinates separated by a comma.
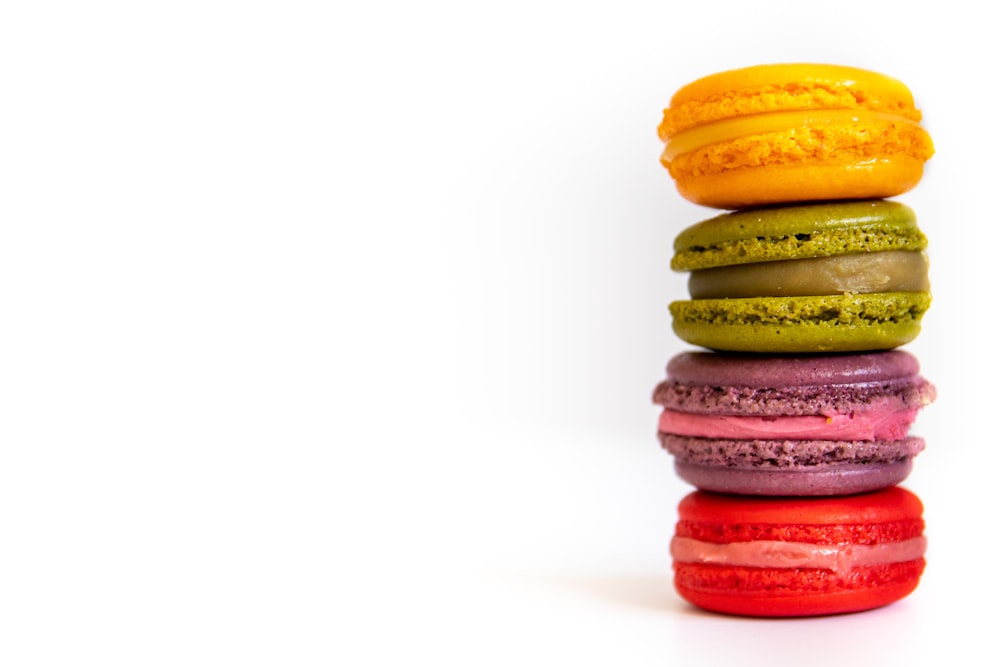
[(888, 271), (883, 420), (777, 554), (734, 128)]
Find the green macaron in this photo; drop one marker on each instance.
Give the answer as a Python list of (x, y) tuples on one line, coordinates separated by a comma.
[(836, 277)]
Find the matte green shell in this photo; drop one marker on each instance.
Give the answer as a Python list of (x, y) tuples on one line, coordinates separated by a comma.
[(797, 232), (839, 323)]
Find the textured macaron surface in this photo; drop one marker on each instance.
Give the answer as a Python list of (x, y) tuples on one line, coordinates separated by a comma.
[(798, 557), (743, 384), (801, 324), (796, 132), (891, 515), (844, 276), (784, 87), (797, 232), (792, 425), (701, 368)]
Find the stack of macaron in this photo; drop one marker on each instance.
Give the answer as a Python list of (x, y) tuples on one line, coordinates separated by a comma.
[(793, 418)]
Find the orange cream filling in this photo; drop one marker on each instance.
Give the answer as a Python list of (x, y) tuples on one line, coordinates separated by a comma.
[(734, 128), (778, 554)]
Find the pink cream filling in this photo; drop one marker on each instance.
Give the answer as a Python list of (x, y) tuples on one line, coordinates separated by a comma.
[(776, 554), (875, 424)]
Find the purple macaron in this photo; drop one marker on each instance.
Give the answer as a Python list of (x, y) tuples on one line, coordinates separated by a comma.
[(792, 425)]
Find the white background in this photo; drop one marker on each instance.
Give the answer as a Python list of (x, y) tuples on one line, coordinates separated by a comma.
[(328, 334)]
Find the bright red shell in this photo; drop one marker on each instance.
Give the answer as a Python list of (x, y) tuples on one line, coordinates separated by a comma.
[(889, 515)]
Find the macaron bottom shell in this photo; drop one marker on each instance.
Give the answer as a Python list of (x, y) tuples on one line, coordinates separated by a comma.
[(824, 480), (799, 593), (775, 184), (802, 324)]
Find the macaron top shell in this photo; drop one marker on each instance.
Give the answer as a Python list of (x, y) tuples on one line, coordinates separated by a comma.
[(888, 506), (797, 232), (752, 370), (721, 383), (784, 87)]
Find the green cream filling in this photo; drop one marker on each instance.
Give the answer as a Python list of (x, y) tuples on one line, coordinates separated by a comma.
[(890, 271)]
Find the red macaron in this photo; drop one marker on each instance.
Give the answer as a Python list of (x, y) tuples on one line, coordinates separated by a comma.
[(758, 556)]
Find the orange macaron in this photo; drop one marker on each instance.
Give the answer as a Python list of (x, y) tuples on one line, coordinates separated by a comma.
[(793, 133)]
